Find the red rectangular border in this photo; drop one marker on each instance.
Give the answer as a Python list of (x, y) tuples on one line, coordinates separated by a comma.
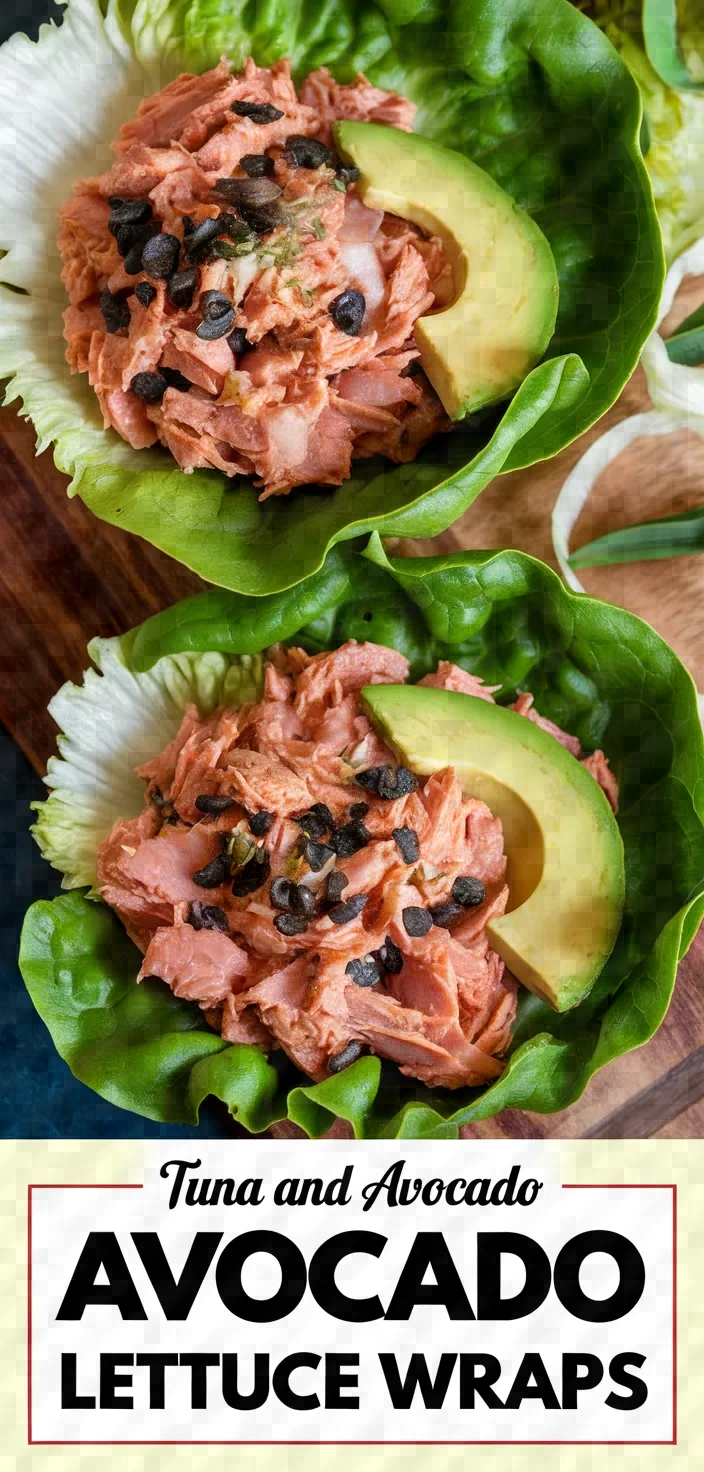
[(567, 1186)]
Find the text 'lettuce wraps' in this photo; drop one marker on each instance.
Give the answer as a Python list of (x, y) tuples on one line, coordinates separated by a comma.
[(339, 865), (532, 96)]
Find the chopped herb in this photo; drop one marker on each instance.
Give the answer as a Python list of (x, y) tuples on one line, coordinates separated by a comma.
[(318, 228), (338, 184)]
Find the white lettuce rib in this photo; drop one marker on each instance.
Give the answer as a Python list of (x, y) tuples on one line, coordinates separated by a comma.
[(113, 722)]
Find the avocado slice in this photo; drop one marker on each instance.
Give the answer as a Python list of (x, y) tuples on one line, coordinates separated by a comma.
[(564, 848), (479, 349)]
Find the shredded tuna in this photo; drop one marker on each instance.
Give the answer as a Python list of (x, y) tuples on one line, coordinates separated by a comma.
[(445, 1017), (318, 396)]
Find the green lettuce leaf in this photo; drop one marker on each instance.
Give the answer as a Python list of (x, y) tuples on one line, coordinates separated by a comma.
[(531, 89), (662, 42), (594, 669)]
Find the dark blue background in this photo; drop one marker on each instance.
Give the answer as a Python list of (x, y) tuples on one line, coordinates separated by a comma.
[(38, 1095)]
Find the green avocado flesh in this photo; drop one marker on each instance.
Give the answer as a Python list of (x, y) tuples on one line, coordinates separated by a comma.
[(565, 854), (479, 349)]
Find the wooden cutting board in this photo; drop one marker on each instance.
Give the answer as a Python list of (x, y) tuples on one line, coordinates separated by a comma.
[(64, 577)]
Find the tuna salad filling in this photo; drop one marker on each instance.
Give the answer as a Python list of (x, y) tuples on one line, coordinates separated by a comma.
[(232, 299), (311, 894)]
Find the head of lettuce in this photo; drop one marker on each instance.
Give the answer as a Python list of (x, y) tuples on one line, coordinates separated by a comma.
[(595, 671), (530, 90)]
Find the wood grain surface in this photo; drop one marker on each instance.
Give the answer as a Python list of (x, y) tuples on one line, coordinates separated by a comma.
[(65, 577)]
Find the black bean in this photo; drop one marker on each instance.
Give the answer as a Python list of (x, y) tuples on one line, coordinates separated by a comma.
[(238, 341), (349, 173), (199, 236), (306, 902), (407, 842), (317, 821), (316, 854), (217, 803), (259, 112), (116, 313), (257, 165), (364, 971), (133, 262), (260, 823), (467, 891), (398, 783), (262, 219), (149, 387), (342, 1060), (307, 153), (416, 921), (359, 810), (347, 311), (252, 875), (129, 212), (214, 304), (284, 894), (369, 779), (349, 909), (174, 379), (335, 882), (181, 287), (291, 924), (207, 917), (213, 874), (389, 956), (349, 839), (145, 293), (253, 192), (160, 256), (445, 914)]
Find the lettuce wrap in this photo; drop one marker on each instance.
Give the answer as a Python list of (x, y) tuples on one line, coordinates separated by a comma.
[(594, 669), (529, 89)]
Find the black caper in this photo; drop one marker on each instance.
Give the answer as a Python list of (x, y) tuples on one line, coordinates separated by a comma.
[(307, 153), (347, 311), (116, 313), (257, 165), (467, 891), (342, 1060), (387, 782), (181, 287), (134, 257), (213, 874), (260, 823), (291, 924), (149, 387), (349, 173), (445, 914), (407, 843), (217, 803), (145, 293), (160, 256), (349, 909), (306, 902), (259, 112), (416, 921), (364, 971), (210, 329), (207, 917)]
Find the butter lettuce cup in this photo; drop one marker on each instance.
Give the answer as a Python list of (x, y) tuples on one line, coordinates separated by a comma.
[(369, 955), (533, 117)]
